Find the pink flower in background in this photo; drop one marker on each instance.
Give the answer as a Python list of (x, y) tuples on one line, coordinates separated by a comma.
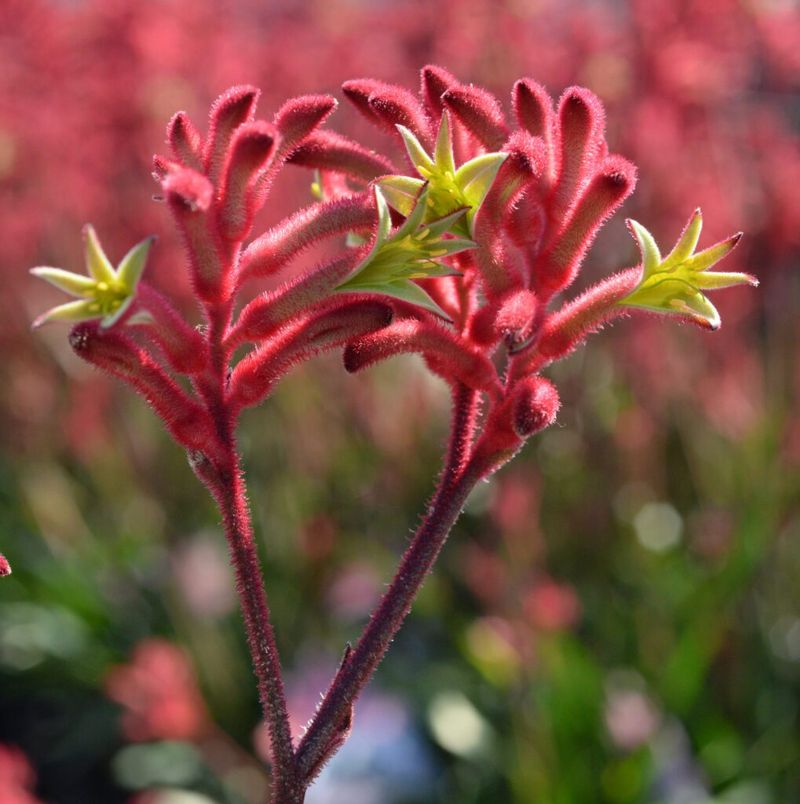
[(551, 606), (158, 693), (17, 777)]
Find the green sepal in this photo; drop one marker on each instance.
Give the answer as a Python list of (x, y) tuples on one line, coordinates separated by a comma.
[(401, 192), (403, 289), (674, 285)]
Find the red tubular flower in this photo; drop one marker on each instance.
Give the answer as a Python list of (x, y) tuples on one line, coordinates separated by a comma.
[(557, 267), (530, 406), (435, 81), (566, 329), (233, 108), (189, 195), (509, 317), (276, 248), (5, 567), (533, 109), (185, 141), (253, 145), (447, 355), (326, 150), (500, 264), (256, 375), (270, 311), (388, 105), (480, 112), (119, 355), (579, 144), (299, 117), (183, 346)]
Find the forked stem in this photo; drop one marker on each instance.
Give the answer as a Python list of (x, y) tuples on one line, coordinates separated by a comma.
[(324, 737), (236, 519), (228, 488)]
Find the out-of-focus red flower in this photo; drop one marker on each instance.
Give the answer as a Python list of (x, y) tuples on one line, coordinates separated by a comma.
[(552, 606), (17, 777), (697, 95), (159, 694)]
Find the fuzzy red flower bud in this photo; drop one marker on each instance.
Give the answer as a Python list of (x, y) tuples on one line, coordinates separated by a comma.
[(117, 354), (388, 105), (581, 122), (326, 150), (509, 317), (182, 345), (276, 248), (5, 567), (229, 111), (357, 91), (265, 314), (253, 145), (607, 190), (185, 141), (298, 117), (531, 405), (480, 112), (184, 185), (447, 355), (535, 404), (567, 328), (256, 375), (501, 267), (189, 195), (533, 109), (434, 82)]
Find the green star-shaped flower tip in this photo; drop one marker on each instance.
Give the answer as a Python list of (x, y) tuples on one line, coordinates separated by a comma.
[(675, 283), (448, 189), (105, 292), (412, 252)]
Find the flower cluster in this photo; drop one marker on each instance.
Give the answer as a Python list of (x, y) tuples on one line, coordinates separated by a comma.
[(460, 256), (494, 226), (700, 95)]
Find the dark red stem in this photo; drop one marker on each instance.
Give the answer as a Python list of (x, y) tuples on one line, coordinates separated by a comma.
[(455, 484), (227, 485)]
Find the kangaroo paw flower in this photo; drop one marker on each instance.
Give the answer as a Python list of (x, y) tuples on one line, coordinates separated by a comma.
[(449, 189), (105, 293), (411, 253), (675, 284)]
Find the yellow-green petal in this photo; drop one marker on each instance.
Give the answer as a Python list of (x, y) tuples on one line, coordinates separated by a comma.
[(97, 263), (703, 260), (74, 284), (112, 318), (474, 178), (130, 269), (83, 310), (418, 155), (651, 256), (675, 284), (687, 242), (443, 154), (401, 192)]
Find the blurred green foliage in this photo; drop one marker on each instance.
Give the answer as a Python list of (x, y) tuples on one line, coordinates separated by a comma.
[(666, 663)]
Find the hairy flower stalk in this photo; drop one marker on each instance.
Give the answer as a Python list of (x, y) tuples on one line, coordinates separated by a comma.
[(459, 260)]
